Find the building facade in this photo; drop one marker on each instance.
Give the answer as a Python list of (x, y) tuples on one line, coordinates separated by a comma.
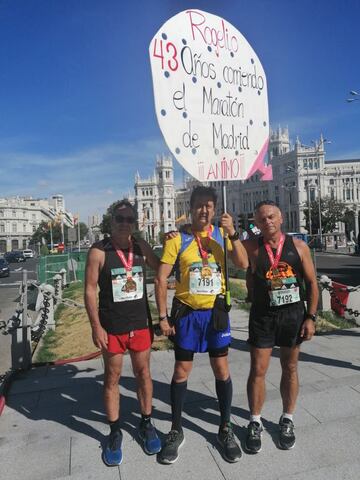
[(300, 175), (154, 200), (21, 216)]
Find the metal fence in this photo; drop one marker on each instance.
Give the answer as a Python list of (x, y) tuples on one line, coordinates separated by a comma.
[(72, 262)]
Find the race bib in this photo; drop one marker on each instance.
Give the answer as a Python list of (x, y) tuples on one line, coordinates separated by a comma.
[(124, 287), (205, 279), (284, 296)]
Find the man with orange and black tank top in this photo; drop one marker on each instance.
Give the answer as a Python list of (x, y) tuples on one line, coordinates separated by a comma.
[(280, 279), (199, 320), (122, 322)]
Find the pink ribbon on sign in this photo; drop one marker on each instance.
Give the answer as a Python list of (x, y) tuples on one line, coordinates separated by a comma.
[(259, 166)]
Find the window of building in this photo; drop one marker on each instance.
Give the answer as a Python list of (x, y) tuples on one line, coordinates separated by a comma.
[(168, 204), (2, 227), (160, 175), (332, 181), (33, 216), (24, 227), (34, 228), (24, 213), (348, 195), (167, 174), (14, 228), (1, 213), (14, 213), (169, 214)]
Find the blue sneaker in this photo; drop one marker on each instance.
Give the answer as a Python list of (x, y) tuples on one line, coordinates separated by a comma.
[(148, 435), (112, 453)]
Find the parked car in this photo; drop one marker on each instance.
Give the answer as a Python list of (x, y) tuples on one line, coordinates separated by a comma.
[(28, 253), (14, 256), (4, 268)]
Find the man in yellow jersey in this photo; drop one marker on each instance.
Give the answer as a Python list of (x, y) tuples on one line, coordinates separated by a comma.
[(199, 320)]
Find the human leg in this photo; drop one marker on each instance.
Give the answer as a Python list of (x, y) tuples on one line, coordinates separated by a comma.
[(223, 384), (260, 359), (175, 438), (112, 453), (289, 388)]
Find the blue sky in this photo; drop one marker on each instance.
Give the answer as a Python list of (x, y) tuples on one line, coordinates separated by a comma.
[(77, 113)]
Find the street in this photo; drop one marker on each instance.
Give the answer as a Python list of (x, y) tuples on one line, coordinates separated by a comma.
[(341, 268)]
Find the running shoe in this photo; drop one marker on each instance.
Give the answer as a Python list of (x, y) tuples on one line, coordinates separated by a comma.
[(286, 434), (170, 451), (151, 442), (253, 438), (226, 438), (112, 454)]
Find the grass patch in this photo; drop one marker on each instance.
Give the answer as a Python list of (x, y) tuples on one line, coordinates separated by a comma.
[(72, 337), (238, 292), (329, 321)]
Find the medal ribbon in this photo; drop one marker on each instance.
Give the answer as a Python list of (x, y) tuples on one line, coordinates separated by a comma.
[(203, 253), (274, 262), (128, 264)]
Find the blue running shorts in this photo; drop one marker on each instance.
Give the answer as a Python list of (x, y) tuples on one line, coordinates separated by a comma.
[(195, 332)]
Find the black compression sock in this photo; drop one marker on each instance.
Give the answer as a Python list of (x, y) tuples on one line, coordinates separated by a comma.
[(178, 393), (224, 393), (115, 426)]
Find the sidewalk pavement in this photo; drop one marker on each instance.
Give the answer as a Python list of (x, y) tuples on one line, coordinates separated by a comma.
[(54, 423)]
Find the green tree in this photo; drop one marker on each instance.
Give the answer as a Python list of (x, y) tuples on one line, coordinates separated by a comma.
[(332, 211)]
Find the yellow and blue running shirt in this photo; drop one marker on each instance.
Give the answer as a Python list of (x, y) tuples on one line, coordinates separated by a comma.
[(187, 259)]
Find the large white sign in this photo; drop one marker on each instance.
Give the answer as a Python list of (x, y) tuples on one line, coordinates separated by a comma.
[(210, 97)]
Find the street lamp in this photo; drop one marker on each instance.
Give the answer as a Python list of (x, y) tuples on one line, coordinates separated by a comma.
[(299, 170), (288, 188), (317, 148)]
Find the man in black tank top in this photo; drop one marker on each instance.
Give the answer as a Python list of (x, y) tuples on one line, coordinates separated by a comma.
[(122, 321), (281, 277)]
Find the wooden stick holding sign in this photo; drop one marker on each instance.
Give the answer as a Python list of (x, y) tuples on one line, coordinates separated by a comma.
[(226, 267)]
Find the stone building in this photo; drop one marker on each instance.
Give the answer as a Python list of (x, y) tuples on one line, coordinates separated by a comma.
[(154, 200), (21, 216)]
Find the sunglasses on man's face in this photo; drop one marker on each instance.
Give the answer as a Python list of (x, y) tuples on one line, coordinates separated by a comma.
[(121, 219)]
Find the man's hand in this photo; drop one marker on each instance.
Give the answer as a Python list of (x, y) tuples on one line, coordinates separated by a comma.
[(307, 329), (99, 337), (226, 222), (170, 235), (166, 328)]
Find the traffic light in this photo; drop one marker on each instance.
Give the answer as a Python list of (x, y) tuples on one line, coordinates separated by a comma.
[(241, 221)]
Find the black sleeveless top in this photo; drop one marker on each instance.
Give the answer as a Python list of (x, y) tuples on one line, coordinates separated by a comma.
[(125, 316), (290, 265)]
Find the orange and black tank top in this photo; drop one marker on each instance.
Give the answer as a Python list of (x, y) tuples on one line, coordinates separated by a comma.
[(278, 287)]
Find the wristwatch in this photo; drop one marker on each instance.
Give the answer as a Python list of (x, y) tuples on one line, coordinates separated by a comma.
[(311, 316), (235, 236)]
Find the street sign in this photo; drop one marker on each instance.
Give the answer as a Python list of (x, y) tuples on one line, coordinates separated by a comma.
[(210, 95), (72, 236)]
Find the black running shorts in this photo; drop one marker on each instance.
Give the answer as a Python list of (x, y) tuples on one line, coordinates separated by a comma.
[(277, 326)]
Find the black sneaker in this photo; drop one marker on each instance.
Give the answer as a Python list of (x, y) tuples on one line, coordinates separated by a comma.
[(226, 438), (286, 434), (112, 453), (253, 438), (170, 451)]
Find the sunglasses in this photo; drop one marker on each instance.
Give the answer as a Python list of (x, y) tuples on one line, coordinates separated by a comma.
[(121, 219)]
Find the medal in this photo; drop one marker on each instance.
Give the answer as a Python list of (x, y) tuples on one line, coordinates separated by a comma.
[(130, 285), (274, 262), (206, 272)]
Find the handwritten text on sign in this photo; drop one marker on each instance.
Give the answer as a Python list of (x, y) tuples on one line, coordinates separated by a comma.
[(210, 97)]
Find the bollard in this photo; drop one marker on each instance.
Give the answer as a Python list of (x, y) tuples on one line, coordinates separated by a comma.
[(58, 287), (63, 277), (49, 298)]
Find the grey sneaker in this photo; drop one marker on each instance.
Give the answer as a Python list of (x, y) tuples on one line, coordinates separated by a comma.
[(226, 438), (170, 451), (286, 434), (253, 438)]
